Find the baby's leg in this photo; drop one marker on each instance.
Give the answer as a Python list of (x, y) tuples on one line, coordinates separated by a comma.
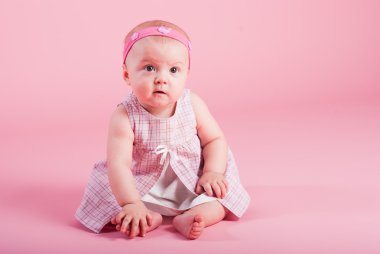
[(156, 221), (192, 222)]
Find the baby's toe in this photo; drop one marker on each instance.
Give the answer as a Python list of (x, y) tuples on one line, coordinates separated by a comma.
[(195, 234), (197, 229)]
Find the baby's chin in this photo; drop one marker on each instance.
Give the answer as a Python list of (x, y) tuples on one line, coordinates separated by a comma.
[(158, 106)]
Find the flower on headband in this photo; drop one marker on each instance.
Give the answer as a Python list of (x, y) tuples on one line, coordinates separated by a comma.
[(134, 36), (164, 30)]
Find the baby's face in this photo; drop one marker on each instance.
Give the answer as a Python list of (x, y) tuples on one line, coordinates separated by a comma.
[(156, 69)]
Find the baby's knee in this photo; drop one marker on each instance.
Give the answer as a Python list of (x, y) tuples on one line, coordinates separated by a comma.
[(156, 217)]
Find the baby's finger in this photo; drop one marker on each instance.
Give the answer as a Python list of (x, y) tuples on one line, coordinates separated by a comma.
[(208, 189), (198, 189), (223, 189), (216, 189), (226, 184), (134, 228), (149, 219), (125, 224), (113, 221), (143, 227), (118, 227), (119, 217)]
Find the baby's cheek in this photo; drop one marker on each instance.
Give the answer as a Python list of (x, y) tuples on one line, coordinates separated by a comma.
[(142, 85)]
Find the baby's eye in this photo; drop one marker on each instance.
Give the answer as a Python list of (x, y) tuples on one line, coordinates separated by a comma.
[(173, 69), (149, 68)]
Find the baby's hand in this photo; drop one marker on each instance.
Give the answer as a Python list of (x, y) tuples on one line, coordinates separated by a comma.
[(133, 219), (213, 183)]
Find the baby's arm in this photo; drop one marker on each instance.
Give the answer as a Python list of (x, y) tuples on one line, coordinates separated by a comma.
[(214, 149), (134, 217)]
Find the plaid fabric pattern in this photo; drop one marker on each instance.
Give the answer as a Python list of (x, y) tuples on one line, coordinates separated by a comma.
[(179, 134)]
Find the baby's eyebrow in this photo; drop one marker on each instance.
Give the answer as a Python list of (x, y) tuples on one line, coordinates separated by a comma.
[(179, 62), (144, 60)]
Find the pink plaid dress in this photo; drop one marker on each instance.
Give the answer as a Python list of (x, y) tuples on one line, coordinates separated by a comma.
[(160, 143)]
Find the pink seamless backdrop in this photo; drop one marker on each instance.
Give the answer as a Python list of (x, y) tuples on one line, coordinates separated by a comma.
[(295, 85)]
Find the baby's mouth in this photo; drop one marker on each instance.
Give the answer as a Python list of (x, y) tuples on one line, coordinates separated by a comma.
[(159, 92)]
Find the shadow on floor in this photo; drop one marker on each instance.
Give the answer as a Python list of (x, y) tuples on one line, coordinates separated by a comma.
[(58, 205)]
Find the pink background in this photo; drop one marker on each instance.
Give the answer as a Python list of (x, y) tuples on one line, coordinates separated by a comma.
[(295, 85)]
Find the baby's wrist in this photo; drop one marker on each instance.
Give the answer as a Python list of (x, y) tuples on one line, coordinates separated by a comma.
[(212, 171), (133, 202)]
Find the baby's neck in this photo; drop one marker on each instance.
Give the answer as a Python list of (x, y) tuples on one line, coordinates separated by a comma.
[(162, 112)]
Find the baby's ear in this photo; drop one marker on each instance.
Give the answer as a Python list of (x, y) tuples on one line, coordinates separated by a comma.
[(125, 73)]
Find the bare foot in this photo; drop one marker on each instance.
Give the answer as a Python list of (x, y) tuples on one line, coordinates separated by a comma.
[(189, 225)]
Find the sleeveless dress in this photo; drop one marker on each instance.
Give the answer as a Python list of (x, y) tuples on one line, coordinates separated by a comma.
[(166, 164)]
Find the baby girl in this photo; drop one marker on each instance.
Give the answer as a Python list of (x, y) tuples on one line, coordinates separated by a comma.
[(166, 154)]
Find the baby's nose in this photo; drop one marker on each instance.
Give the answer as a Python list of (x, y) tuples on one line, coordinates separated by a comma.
[(160, 79)]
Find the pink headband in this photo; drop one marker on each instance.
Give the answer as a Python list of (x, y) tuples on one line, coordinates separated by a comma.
[(155, 31)]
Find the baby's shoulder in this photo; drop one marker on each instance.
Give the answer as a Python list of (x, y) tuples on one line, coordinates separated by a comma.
[(119, 119), (120, 111), (197, 102)]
